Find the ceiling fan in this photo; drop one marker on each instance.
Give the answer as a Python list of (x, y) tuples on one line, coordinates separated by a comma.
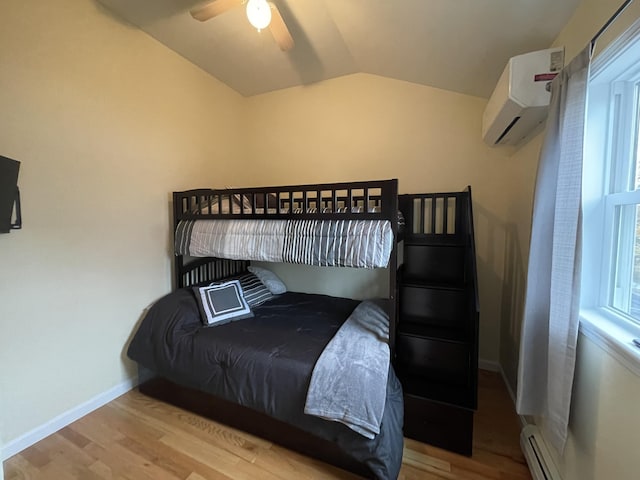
[(261, 14)]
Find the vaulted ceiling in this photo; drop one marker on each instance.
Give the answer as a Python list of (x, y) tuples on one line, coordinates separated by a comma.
[(458, 45)]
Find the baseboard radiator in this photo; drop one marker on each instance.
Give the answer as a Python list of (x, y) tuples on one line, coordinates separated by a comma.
[(537, 454)]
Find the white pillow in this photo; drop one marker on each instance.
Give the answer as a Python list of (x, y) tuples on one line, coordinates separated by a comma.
[(270, 279)]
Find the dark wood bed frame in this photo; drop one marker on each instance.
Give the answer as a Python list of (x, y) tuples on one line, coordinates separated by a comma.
[(310, 199)]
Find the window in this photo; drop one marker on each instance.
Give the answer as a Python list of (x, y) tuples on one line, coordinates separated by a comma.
[(622, 203), (611, 185)]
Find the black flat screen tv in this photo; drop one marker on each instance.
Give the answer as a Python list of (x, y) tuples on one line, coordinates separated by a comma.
[(8, 192)]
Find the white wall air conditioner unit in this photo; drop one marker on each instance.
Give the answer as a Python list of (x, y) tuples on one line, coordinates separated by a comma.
[(538, 457), (520, 100)]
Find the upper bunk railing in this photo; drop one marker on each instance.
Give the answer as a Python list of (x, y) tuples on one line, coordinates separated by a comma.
[(436, 217), (443, 219), (371, 200), (294, 202)]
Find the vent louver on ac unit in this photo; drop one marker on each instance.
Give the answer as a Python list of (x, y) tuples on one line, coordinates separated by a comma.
[(520, 101), (508, 129), (538, 457)]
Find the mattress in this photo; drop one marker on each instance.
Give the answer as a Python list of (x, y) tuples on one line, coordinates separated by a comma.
[(325, 243)]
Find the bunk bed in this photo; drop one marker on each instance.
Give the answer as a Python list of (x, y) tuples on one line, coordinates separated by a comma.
[(265, 384)]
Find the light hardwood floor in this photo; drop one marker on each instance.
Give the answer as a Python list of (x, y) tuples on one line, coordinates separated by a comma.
[(135, 437)]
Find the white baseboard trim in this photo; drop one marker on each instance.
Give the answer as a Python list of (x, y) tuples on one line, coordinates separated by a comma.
[(524, 421), (509, 389), (34, 436), (489, 365)]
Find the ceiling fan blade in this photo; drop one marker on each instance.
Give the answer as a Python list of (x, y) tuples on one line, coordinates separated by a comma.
[(279, 30), (213, 9)]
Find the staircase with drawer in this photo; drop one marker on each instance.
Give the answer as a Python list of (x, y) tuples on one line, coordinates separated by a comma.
[(436, 354)]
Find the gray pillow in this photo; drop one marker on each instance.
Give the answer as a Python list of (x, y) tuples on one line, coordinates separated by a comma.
[(255, 292), (270, 279)]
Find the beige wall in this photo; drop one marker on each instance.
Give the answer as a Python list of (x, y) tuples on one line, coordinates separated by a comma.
[(363, 127), (106, 121), (604, 424)]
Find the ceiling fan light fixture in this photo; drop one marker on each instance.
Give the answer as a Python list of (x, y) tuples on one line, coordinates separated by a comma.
[(259, 13)]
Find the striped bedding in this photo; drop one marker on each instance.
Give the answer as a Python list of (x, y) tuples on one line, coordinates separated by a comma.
[(331, 243)]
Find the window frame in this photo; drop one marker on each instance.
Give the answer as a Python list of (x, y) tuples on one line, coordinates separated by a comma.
[(623, 109), (612, 131)]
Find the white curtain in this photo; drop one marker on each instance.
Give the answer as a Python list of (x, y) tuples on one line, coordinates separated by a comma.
[(550, 324)]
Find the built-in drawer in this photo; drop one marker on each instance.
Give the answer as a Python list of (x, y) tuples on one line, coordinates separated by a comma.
[(434, 359), (438, 424)]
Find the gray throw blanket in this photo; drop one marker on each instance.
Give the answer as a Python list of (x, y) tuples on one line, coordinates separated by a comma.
[(349, 380)]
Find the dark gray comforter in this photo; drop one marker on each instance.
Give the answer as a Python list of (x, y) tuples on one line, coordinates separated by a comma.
[(265, 363)]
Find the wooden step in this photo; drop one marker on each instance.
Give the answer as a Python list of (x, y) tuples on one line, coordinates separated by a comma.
[(420, 282), (433, 329), (444, 264), (449, 306), (459, 396), (435, 359), (438, 239)]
